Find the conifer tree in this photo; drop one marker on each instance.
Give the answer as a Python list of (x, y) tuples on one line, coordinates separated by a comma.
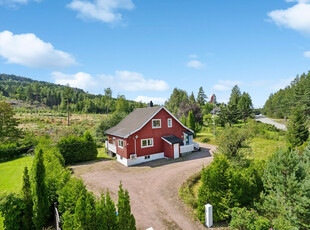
[(201, 97), (192, 98), (101, 214), (191, 121), (111, 213), (297, 132), (27, 199), (85, 212), (126, 220), (183, 120), (40, 195), (234, 96), (245, 106)]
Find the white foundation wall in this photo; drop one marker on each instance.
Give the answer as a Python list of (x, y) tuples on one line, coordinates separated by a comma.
[(139, 160)]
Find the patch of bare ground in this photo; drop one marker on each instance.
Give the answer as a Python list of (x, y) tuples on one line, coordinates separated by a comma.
[(153, 187)]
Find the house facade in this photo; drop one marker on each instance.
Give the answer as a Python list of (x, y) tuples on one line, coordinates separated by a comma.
[(149, 134)]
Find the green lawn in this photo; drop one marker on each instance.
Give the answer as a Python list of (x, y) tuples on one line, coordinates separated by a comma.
[(11, 175), (262, 148)]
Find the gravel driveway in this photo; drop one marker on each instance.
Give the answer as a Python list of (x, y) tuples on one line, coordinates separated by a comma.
[(153, 187), (266, 120)]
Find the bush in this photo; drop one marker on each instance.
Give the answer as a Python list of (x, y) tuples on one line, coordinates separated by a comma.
[(78, 149), (244, 219), (205, 140), (11, 151), (186, 192), (226, 185)]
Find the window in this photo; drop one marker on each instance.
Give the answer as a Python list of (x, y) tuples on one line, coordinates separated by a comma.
[(145, 143), (121, 143), (147, 157), (169, 122), (156, 123)]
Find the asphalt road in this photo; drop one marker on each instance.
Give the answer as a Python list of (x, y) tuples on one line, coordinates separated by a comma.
[(267, 120)]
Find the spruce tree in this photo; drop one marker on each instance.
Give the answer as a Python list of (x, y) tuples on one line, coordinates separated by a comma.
[(234, 96), (192, 98), (111, 213), (40, 194), (191, 121), (183, 120), (126, 220), (297, 131), (27, 199), (245, 106), (201, 97)]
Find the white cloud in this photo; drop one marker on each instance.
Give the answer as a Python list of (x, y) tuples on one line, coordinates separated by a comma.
[(195, 64), (133, 81), (193, 56), (101, 10), (79, 80), (226, 85), (282, 83), (296, 17), (307, 54), (29, 50), (155, 100)]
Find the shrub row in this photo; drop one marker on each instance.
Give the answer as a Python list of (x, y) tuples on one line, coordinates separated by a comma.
[(78, 149)]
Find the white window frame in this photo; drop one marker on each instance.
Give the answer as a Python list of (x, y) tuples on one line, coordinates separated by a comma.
[(159, 123), (169, 119), (119, 145), (147, 141)]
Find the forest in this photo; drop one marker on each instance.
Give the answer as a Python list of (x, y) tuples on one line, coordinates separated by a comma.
[(57, 97), (297, 94)]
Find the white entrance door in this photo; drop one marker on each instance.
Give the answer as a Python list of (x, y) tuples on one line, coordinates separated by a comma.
[(176, 151)]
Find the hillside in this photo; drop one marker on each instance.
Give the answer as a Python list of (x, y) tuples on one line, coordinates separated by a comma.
[(281, 103), (31, 94)]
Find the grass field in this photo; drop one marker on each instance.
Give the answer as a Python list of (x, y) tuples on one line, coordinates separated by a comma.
[(11, 175), (262, 148)]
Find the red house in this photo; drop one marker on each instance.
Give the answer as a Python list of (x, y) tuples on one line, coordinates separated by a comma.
[(148, 134)]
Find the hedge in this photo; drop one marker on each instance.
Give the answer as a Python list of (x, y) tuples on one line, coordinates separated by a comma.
[(11, 151), (78, 149)]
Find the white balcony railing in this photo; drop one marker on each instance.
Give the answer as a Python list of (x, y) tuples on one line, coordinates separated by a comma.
[(110, 147), (187, 148)]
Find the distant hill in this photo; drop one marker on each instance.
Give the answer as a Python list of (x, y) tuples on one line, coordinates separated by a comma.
[(282, 103), (42, 95)]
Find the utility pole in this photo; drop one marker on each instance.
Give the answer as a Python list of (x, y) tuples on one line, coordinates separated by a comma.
[(213, 116)]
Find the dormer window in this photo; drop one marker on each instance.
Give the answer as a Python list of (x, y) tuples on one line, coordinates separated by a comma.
[(156, 123)]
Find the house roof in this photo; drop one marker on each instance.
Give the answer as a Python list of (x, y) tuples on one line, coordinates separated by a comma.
[(172, 139), (136, 120), (189, 133), (215, 110)]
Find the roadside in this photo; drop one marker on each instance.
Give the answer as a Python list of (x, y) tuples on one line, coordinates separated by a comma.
[(267, 120), (153, 187)]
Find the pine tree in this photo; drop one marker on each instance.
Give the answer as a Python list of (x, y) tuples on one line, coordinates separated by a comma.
[(126, 220), (201, 97), (297, 131), (245, 106), (192, 98), (40, 195), (27, 199), (191, 121), (111, 213)]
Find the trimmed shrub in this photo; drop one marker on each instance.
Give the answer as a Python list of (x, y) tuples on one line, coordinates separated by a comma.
[(78, 149), (11, 151)]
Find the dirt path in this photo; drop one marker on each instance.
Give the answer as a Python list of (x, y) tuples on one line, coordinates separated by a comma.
[(153, 187)]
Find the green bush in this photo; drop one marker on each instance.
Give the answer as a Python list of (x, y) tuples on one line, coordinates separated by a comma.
[(78, 149), (205, 140), (186, 192), (244, 219), (11, 151)]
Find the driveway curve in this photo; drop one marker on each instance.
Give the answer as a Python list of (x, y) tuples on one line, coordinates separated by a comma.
[(267, 120), (153, 187)]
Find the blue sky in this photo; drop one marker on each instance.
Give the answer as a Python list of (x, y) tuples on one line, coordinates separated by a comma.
[(143, 49)]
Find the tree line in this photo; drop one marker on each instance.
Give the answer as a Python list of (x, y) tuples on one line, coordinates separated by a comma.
[(282, 103), (57, 97)]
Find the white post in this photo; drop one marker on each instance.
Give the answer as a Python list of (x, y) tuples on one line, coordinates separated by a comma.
[(209, 215)]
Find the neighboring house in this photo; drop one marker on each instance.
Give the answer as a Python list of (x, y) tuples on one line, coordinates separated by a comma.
[(215, 111), (148, 134)]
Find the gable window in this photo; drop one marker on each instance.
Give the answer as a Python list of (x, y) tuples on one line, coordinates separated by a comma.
[(169, 122), (145, 143), (121, 143), (156, 123)]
